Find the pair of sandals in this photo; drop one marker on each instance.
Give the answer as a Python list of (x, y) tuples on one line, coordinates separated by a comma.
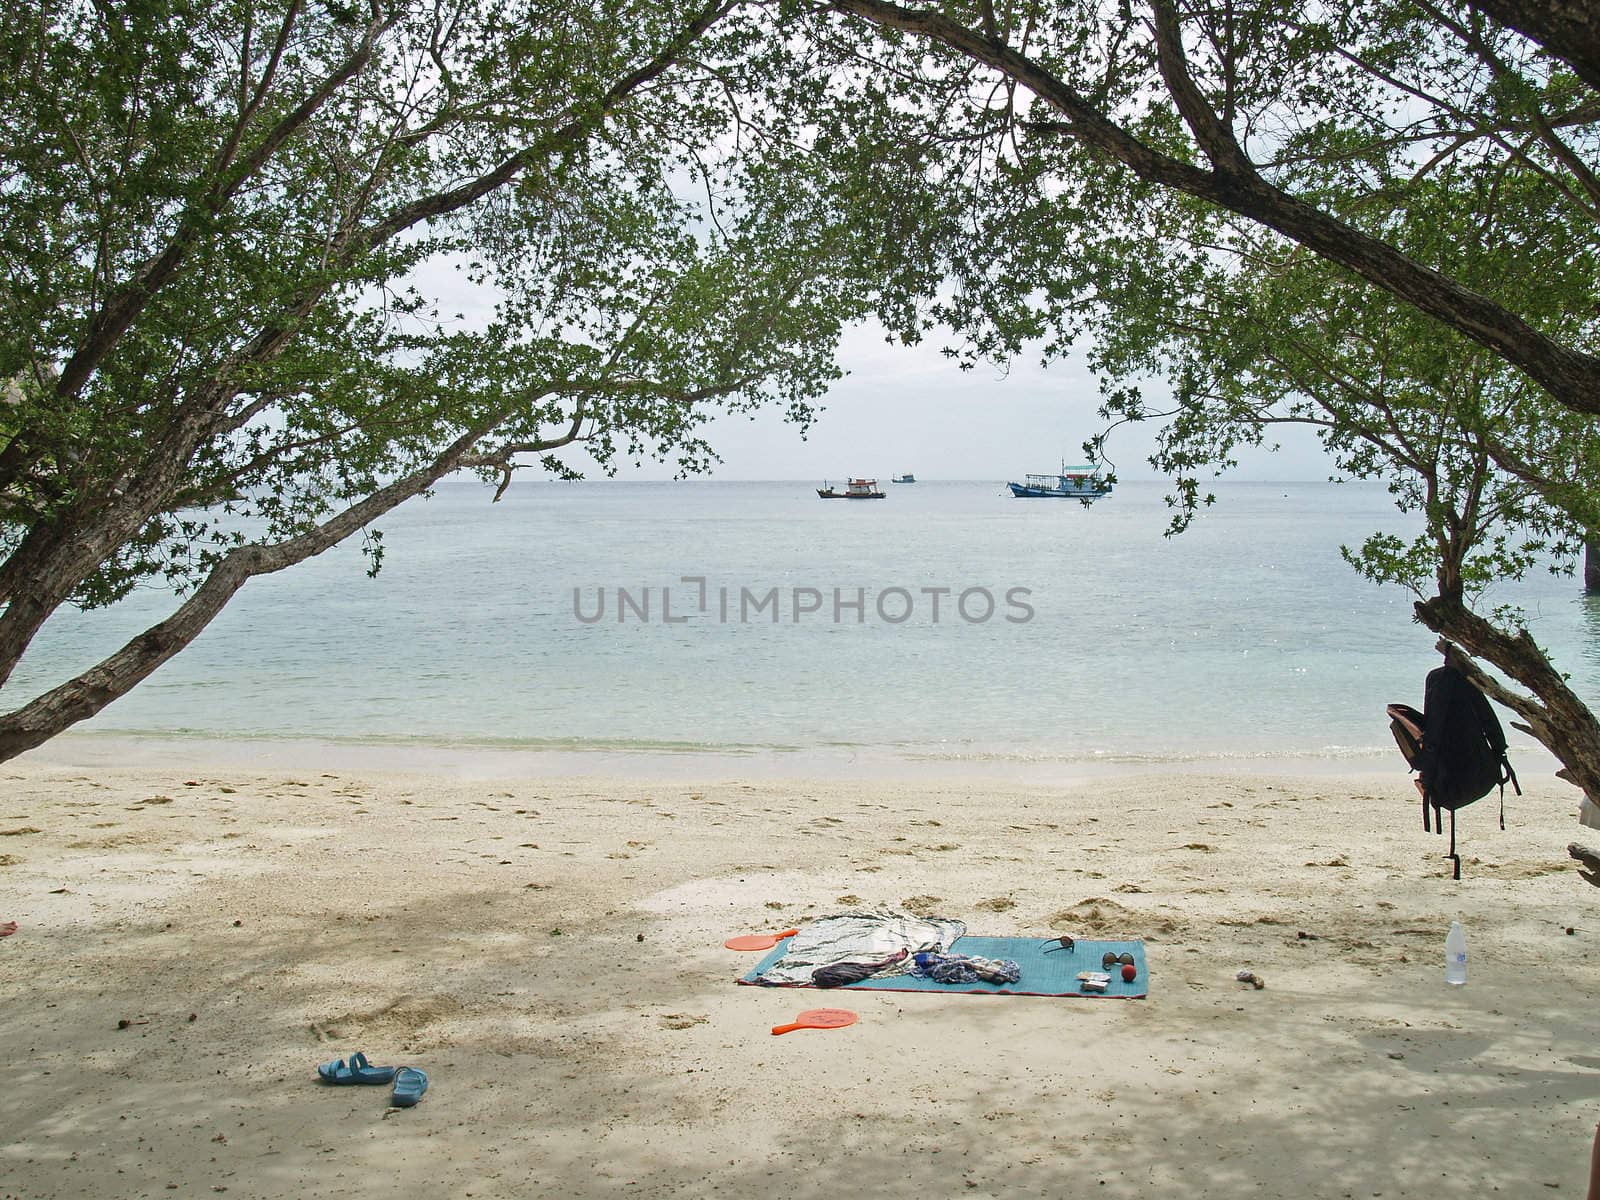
[(409, 1082)]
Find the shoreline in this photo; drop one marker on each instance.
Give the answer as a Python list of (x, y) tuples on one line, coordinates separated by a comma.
[(867, 764)]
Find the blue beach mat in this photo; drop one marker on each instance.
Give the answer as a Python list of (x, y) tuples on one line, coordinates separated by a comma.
[(1053, 974)]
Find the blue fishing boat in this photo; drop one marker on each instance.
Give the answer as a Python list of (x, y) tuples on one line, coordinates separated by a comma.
[(908, 477), (1085, 484)]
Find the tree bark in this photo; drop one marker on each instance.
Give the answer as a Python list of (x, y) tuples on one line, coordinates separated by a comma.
[(1591, 563), (55, 558)]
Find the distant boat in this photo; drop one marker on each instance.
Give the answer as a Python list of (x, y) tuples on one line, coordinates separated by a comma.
[(856, 489), (908, 477), (1084, 483)]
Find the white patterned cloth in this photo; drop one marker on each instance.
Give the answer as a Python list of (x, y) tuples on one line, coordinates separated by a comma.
[(865, 936)]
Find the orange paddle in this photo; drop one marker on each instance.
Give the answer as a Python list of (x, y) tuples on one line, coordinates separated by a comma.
[(758, 941), (819, 1018)]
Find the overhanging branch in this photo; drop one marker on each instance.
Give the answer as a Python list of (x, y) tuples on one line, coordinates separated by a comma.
[(80, 698), (1570, 376)]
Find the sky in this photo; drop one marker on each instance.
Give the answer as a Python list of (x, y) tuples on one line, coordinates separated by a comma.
[(909, 409)]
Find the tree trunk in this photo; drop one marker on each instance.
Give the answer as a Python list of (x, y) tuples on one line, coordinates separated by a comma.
[(78, 699), (1557, 717), (1591, 563), (53, 560)]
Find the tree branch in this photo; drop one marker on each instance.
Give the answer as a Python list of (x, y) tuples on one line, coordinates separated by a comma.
[(1213, 136), (120, 311), (1569, 29), (82, 697), (1571, 377), (442, 203)]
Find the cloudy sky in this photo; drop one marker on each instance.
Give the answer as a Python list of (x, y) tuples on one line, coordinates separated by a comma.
[(910, 409)]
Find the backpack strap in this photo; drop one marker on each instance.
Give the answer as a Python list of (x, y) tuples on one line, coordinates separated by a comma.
[(1510, 776), (1453, 856)]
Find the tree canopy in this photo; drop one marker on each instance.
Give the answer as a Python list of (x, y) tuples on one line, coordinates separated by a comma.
[(224, 226), (1290, 115)]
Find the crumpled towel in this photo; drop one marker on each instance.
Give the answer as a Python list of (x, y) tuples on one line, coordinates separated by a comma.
[(966, 968), (865, 936)]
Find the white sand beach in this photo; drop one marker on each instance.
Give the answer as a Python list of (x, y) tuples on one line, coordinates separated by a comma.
[(549, 952)]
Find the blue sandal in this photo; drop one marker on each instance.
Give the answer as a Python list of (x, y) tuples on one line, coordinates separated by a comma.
[(409, 1084), (357, 1070)]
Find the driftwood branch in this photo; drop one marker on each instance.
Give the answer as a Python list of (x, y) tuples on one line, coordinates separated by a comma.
[(1589, 862)]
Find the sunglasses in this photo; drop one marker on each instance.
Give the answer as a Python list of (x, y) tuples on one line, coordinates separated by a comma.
[(1064, 942), (1112, 958)]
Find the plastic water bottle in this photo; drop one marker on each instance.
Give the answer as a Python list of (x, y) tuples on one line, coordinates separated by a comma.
[(1455, 954)]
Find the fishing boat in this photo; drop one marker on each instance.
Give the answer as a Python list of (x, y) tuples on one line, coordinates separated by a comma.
[(1084, 483), (856, 489), (908, 477)]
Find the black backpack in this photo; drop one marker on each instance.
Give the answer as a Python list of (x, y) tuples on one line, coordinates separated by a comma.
[(1457, 745)]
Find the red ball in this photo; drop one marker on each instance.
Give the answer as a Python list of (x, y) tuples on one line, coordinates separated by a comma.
[(1128, 972)]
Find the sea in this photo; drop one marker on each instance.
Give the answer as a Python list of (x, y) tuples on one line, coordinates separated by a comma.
[(947, 624)]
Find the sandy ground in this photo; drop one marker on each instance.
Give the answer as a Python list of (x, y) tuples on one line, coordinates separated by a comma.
[(549, 951)]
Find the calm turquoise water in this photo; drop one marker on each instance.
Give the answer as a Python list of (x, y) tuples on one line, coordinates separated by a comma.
[(1246, 636)]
